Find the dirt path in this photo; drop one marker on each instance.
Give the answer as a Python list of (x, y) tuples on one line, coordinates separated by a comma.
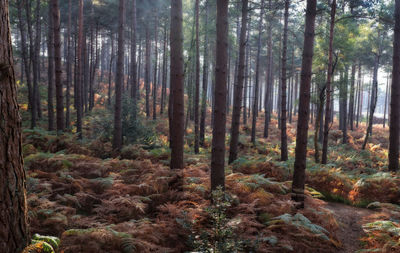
[(350, 220)]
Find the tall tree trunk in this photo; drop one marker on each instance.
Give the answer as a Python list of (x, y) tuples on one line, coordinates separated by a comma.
[(13, 226), (147, 70), (50, 70), (374, 91), (352, 91), (328, 86), (31, 66), (79, 72), (69, 69), (360, 96), (256, 87), (219, 128), (284, 149), (155, 66), (394, 124), (110, 69), (197, 85), (386, 98), (119, 79), (176, 80), (205, 79), (58, 67), (134, 84), (238, 95), (268, 95), (164, 72), (344, 101), (36, 60), (304, 105)]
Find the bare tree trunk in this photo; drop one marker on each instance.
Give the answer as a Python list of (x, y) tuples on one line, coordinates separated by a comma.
[(394, 126), (110, 69), (219, 128), (238, 95), (79, 67), (328, 86), (304, 105), (13, 226), (360, 95), (386, 98), (205, 79), (352, 91), (284, 149), (58, 67), (256, 87), (147, 70), (269, 84), (155, 65), (50, 70), (374, 92), (197, 85), (69, 70), (177, 85), (164, 72), (119, 80)]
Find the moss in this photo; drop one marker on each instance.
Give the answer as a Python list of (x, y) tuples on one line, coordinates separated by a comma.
[(52, 240)]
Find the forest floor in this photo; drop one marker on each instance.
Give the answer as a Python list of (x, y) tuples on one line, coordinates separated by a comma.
[(96, 200), (350, 220)]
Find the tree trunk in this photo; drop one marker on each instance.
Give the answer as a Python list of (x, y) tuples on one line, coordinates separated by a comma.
[(119, 79), (205, 79), (328, 86), (110, 69), (13, 226), (134, 84), (268, 95), (79, 72), (219, 128), (386, 98), (176, 80), (374, 92), (164, 72), (304, 105), (360, 97), (256, 87), (238, 93), (58, 67), (352, 91), (50, 70), (197, 77), (69, 69), (155, 65), (147, 70), (284, 149), (394, 124)]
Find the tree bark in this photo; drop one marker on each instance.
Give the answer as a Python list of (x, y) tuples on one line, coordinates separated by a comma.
[(50, 70), (176, 80), (256, 86), (155, 65), (205, 79), (134, 84), (58, 67), (394, 124), (284, 149), (69, 67), (219, 128), (147, 70), (78, 94), (304, 105), (119, 79), (13, 209), (238, 93), (197, 85), (352, 91), (328, 86)]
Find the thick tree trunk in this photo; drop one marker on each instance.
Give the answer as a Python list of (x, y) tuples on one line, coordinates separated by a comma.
[(176, 80), (119, 79), (219, 111), (304, 105), (238, 95), (58, 67), (256, 85), (284, 149), (394, 124), (328, 86), (13, 209)]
